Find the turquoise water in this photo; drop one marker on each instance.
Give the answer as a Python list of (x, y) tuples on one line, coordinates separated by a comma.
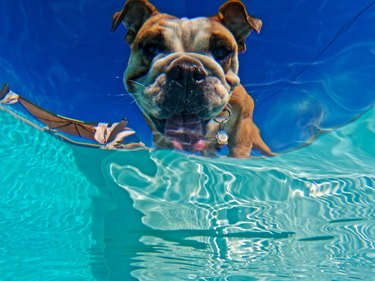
[(72, 213)]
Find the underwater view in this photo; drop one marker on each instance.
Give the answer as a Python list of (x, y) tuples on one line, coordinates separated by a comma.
[(73, 212)]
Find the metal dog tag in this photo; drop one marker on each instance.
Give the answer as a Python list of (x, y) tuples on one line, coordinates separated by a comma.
[(222, 137)]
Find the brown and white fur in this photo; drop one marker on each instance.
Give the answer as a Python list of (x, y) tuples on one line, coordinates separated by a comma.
[(182, 74)]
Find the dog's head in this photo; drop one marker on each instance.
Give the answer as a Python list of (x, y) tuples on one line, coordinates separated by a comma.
[(181, 72)]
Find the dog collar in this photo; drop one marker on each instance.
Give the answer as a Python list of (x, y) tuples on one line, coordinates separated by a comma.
[(221, 135)]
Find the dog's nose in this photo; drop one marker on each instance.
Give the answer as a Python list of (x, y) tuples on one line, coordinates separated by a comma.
[(184, 87), (186, 72)]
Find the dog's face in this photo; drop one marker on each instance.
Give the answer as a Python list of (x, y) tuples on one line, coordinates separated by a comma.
[(181, 72)]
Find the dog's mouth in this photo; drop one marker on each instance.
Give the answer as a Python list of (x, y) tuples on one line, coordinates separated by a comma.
[(185, 131)]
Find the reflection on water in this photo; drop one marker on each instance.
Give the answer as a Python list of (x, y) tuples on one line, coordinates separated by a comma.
[(307, 213), (45, 207), (162, 215)]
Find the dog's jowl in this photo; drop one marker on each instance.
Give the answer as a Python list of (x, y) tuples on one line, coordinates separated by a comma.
[(182, 73)]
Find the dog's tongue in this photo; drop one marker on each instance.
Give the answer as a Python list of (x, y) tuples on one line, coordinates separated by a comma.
[(185, 132)]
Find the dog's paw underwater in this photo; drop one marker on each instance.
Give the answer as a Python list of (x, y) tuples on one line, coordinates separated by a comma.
[(183, 75)]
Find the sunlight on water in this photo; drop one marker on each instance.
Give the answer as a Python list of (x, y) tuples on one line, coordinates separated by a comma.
[(45, 213), (304, 214), (308, 212)]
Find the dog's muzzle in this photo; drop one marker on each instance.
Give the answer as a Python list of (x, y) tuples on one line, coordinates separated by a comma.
[(190, 96), (185, 104), (184, 91)]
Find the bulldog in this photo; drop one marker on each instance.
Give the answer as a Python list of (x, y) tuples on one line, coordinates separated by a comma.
[(182, 74)]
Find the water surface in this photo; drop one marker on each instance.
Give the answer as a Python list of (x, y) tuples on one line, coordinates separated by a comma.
[(72, 213)]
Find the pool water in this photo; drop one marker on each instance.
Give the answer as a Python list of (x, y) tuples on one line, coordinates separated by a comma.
[(74, 213)]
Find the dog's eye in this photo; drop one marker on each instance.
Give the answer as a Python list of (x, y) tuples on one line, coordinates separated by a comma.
[(151, 50), (221, 52)]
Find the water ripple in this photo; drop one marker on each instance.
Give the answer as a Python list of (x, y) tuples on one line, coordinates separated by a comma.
[(305, 207), (44, 207)]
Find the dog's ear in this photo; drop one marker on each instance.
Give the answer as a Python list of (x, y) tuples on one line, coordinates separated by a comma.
[(133, 15), (234, 16)]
